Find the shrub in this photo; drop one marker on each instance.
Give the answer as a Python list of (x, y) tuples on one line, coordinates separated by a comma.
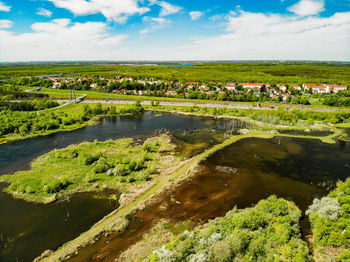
[(88, 160), (101, 166), (120, 170), (221, 251), (151, 146), (239, 241), (325, 207)]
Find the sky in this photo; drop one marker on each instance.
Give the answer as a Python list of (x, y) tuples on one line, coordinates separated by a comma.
[(120, 30)]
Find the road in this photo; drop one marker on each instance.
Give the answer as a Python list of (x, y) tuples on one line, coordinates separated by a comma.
[(209, 105)]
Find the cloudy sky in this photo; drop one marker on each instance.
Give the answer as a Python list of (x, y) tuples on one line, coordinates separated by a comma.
[(43, 30)]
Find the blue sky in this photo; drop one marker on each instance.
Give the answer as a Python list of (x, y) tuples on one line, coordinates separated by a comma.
[(40, 30)]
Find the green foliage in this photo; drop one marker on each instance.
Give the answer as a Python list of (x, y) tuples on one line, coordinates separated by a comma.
[(90, 159), (325, 207), (101, 165), (31, 105), (330, 220), (267, 232), (288, 72), (31, 123), (75, 169)]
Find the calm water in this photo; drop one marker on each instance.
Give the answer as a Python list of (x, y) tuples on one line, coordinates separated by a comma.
[(304, 133), (239, 175), (26, 229)]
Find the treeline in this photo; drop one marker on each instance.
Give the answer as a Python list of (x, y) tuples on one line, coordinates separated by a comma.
[(279, 116), (28, 105), (341, 99), (248, 72), (25, 123), (10, 92), (30, 81)]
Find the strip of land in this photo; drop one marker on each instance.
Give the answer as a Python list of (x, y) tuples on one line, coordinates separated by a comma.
[(116, 220)]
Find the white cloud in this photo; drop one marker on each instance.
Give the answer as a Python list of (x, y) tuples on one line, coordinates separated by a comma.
[(44, 12), (307, 7), (195, 15), (218, 17), (113, 10), (167, 8), (255, 36), (5, 23), (156, 23), (4, 7), (87, 41)]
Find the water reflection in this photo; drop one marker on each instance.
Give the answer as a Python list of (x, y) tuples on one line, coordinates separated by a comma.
[(239, 175), (26, 229)]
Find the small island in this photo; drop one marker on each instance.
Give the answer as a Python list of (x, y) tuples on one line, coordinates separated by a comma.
[(94, 166)]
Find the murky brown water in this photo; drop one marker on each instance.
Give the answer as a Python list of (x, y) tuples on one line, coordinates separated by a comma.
[(239, 175), (26, 230)]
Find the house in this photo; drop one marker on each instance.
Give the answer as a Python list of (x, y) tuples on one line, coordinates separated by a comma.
[(285, 96), (56, 85), (282, 87), (336, 88), (138, 92), (316, 88), (203, 87), (93, 85), (230, 86), (170, 93), (254, 85)]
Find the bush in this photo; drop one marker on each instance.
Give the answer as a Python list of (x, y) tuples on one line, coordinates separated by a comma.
[(325, 207), (121, 170), (221, 251), (233, 236), (88, 160), (101, 166), (151, 146)]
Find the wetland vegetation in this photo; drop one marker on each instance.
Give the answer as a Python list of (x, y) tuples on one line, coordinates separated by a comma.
[(173, 183), (91, 166), (16, 125)]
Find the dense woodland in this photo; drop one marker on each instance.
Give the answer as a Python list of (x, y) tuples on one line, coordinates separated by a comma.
[(292, 72)]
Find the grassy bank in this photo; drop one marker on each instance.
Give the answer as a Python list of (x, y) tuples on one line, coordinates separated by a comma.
[(260, 123), (114, 164), (272, 117)]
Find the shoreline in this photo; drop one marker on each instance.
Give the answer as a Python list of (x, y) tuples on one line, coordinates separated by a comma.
[(97, 119), (109, 223)]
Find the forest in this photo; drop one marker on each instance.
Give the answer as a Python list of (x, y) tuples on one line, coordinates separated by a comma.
[(273, 72)]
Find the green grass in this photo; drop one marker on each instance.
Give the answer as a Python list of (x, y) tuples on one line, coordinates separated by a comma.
[(87, 167)]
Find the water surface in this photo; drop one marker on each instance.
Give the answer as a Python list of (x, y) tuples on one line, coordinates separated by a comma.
[(239, 175), (26, 229)]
